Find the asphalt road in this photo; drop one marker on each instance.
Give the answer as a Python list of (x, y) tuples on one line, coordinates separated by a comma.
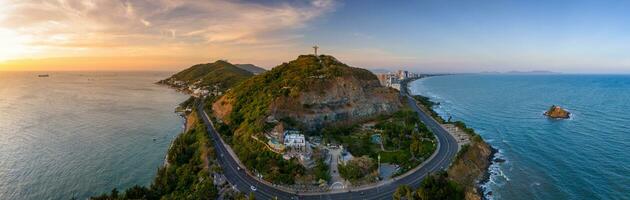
[(447, 148)]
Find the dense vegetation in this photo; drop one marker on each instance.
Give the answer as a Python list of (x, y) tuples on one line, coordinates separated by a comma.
[(220, 73), (406, 141), (186, 176), (404, 132), (321, 171), (359, 169), (251, 68), (435, 186), (250, 106)]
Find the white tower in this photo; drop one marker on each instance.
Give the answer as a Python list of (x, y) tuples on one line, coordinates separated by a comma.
[(315, 48)]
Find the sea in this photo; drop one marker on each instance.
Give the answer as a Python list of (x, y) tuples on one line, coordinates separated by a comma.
[(584, 157), (80, 134)]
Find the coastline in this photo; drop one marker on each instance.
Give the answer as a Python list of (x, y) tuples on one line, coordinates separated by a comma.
[(482, 163), (487, 194), (181, 113), (184, 130)]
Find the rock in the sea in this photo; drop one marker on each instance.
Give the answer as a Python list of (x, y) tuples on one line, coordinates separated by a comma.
[(557, 112)]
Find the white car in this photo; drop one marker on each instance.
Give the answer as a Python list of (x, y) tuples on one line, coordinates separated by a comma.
[(252, 187)]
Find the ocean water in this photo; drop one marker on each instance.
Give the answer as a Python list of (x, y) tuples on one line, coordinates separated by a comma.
[(82, 133), (585, 157)]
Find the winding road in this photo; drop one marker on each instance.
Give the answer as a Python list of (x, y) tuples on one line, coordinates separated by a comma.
[(446, 150)]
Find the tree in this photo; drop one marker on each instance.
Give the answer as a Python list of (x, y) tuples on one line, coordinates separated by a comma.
[(137, 192), (206, 190), (251, 196), (438, 186), (403, 192), (114, 193), (414, 147)]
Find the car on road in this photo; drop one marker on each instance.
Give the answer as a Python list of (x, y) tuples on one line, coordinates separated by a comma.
[(253, 188)]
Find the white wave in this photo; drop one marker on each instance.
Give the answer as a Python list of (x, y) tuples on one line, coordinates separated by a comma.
[(497, 177)]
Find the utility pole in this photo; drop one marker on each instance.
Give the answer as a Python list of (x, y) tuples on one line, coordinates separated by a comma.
[(315, 48)]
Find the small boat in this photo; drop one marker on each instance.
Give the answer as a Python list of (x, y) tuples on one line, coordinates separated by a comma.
[(43, 75)]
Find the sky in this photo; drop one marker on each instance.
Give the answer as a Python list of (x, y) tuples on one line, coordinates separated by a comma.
[(421, 36)]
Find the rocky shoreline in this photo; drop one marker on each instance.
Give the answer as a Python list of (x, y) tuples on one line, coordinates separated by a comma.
[(486, 176)]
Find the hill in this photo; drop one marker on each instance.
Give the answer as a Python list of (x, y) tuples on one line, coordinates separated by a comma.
[(251, 68), (315, 91), (220, 73), (308, 93)]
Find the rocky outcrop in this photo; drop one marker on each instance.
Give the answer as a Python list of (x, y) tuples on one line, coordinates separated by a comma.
[(557, 112), (342, 100), (222, 107), (470, 167)]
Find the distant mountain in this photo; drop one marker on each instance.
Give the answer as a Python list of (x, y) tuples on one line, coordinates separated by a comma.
[(251, 68), (220, 73), (532, 72)]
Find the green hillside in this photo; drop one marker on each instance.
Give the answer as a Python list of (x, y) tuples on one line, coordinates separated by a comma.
[(252, 98), (220, 72), (251, 68)]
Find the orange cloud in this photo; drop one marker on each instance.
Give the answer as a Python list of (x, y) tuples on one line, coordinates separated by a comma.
[(176, 28)]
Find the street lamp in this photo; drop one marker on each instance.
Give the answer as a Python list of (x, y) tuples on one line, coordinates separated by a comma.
[(379, 172), (379, 165)]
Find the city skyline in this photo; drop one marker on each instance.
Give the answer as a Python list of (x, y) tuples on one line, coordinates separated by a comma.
[(424, 36)]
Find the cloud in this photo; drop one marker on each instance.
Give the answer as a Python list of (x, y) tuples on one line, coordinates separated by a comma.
[(89, 24)]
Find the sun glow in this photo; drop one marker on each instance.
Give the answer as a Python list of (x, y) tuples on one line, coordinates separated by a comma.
[(13, 45)]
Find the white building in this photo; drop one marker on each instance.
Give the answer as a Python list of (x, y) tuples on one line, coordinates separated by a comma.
[(294, 140), (179, 83), (200, 92), (396, 86)]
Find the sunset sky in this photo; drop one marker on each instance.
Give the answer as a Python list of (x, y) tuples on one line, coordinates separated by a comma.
[(423, 36)]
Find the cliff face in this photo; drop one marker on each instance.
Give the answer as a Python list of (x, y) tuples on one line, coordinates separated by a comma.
[(471, 166), (314, 91), (557, 112), (340, 100)]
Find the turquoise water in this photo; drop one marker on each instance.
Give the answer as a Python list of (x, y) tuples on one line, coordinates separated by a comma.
[(83, 133), (585, 157)]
